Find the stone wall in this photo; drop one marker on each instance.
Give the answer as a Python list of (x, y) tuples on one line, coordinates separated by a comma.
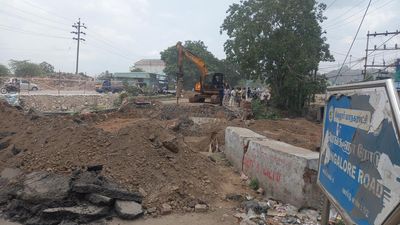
[(73, 103)]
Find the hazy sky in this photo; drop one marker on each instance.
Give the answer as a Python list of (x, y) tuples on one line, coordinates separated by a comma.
[(121, 32)]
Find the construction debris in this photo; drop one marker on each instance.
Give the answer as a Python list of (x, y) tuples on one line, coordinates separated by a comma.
[(48, 198), (150, 154), (273, 212)]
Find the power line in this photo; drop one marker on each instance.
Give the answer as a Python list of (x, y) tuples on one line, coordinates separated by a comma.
[(44, 10), (21, 31), (347, 11), (340, 24), (33, 14), (32, 21), (110, 51), (333, 2), (105, 42), (95, 36), (351, 46)]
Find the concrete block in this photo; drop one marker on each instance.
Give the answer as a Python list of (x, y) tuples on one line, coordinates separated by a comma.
[(286, 172), (236, 143)]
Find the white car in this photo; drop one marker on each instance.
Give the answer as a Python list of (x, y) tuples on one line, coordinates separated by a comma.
[(26, 85)]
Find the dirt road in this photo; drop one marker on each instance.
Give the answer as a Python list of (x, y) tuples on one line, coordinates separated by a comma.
[(220, 217)]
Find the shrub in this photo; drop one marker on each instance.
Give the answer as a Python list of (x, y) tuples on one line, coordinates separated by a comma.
[(254, 184), (260, 111)]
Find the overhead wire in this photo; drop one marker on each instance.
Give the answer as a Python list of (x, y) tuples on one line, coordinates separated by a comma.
[(33, 14), (330, 5), (47, 11), (340, 23), (355, 37), (32, 21), (343, 14), (108, 44), (17, 30)]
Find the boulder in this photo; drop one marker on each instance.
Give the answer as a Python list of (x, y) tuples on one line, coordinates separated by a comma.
[(111, 192), (6, 134), (99, 199), (166, 209), (92, 183), (128, 209), (4, 144), (15, 150), (39, 187), (81, 213), (171, 144), (200, 208), (10, 173)]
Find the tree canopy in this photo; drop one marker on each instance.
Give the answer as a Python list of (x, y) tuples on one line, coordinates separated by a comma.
[(46, 67), (4, 71), (280, 42), (24, 68), (191, 73)]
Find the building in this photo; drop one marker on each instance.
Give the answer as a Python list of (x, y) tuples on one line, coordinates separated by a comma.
[(156, 66)]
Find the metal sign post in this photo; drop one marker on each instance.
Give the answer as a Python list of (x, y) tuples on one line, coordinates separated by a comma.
[(359, 168)]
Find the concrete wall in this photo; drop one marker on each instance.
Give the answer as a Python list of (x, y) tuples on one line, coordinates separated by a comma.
[(286, 172), (236, 142)]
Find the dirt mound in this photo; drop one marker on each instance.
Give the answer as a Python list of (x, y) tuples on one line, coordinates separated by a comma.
[(138, 156), (298, 132)]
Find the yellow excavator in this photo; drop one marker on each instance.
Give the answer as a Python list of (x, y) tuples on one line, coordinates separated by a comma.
[(210, 85)]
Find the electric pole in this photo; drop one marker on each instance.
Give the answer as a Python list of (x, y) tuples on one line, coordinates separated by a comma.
[(78, 38), (379, 48)]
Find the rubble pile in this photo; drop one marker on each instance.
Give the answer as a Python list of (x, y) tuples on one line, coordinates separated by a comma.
[(145, 155), (44, 198), (50, 103), (151, 155), (270, 212)]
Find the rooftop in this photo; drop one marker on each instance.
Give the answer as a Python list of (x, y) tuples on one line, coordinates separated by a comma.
[(153, 62)]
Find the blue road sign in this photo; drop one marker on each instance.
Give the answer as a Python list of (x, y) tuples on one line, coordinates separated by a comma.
[(359, 167)]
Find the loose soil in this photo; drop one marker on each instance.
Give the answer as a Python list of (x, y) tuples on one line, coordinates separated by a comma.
[(128, 143), (298, 132)]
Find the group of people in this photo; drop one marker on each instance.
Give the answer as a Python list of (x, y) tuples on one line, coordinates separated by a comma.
[(235, 96)]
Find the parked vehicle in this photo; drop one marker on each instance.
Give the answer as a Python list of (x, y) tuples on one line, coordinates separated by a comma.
[(109, 86), (25, 85), (16, 84)]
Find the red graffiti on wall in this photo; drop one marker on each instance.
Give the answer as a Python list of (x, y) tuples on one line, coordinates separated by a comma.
[(247, 163), (272, 175), (251, 164)]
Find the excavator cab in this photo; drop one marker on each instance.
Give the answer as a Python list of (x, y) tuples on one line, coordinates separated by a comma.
[(213, 83)]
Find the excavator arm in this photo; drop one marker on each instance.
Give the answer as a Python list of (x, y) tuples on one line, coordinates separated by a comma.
[(199, 62)]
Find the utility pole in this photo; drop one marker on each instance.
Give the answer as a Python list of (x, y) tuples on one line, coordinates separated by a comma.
[(368, 49), (78, 25)]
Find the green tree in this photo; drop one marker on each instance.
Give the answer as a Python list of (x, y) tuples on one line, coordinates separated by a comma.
[(24, 68), (191, 73), (280, 42), (46, 67), (231, 71), (4, 71)]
